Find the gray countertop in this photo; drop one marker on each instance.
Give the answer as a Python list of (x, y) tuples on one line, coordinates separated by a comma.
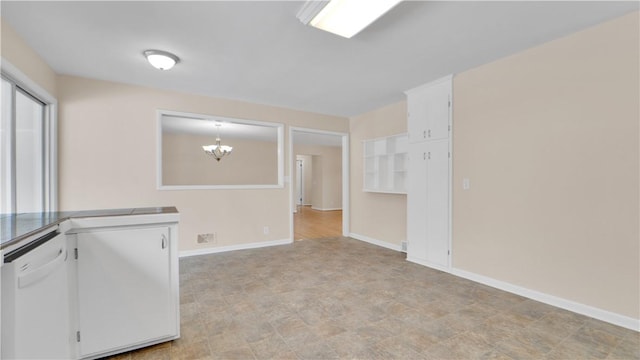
[(15, 227)]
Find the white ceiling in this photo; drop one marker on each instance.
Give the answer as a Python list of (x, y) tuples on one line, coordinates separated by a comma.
[(260, 52)]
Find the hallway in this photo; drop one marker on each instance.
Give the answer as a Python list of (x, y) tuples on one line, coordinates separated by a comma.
[(314, 224)]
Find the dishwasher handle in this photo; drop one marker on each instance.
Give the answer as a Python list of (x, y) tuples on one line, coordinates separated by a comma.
[(43, 271)]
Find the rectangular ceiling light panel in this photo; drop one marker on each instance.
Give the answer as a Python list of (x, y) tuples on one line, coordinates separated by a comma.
[(348, 17)]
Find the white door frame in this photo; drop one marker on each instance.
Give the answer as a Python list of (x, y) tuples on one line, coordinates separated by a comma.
[(345, 175), (299, 182)]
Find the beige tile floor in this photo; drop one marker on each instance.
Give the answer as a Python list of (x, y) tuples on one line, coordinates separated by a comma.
[(340, 298)]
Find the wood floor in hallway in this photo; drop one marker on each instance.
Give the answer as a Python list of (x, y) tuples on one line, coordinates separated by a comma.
[(315, 224)]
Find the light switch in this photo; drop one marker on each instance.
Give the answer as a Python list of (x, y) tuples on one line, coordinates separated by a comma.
[(465, 184)]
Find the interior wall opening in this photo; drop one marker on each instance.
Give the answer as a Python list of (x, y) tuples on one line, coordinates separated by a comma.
[(318, 179)]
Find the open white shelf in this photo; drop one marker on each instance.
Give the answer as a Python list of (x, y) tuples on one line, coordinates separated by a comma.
[(385, 164)]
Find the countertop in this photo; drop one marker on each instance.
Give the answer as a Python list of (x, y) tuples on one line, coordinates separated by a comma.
[(15, 227)]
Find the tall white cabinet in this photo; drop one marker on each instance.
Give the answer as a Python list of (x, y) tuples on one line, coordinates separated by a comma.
[(429, 174)]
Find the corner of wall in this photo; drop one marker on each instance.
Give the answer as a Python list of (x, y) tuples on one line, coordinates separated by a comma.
[(16, 51)]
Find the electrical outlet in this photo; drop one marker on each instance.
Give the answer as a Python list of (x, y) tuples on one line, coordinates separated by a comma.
[(207, 238), (265, 230)]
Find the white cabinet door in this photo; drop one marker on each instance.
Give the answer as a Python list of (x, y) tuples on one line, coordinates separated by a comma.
[(417, 203), (417, 122), (124, 288), (438, 202), (437, 104), (428, 111), (428, 203)]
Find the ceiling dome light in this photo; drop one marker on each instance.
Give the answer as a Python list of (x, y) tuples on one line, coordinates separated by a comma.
[(161, 60)]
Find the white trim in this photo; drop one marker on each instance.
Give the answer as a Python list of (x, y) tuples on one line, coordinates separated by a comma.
[(220, 249), (377, 242), (25, 82), (428, 264), (346, 185), (309, 10), (384, 191), (280, 147), (293, 207), (158, 149), (217, 187), (323, 209), (449, 78), (51, 128), (596, 313), (345, 175)]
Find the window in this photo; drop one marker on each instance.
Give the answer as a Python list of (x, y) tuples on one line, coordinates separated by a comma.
[(27, 151)]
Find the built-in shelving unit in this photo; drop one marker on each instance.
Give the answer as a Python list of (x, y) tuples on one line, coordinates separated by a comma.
[(429, 186), (385, 164)]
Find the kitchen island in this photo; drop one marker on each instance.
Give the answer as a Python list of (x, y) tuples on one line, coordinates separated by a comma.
[(87, 284)]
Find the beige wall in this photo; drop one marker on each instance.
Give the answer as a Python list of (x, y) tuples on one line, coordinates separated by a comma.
[(108, 159), (549, 141), (20, 55), (326, 175), (378, 216), (185, 163)]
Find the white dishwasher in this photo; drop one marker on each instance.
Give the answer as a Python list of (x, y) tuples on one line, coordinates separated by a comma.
[(35, 300)]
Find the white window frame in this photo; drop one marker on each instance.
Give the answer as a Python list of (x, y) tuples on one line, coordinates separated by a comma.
[(50, 128), (280, 152)]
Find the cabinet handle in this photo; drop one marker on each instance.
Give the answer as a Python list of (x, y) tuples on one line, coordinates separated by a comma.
[(429, 155), (429, 133), (424, 156), (424, 134), (164, 241)]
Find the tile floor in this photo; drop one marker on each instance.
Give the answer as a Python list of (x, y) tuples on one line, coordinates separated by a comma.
[(340, 298)]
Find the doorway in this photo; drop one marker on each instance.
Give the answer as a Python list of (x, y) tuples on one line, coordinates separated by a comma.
[(300, 178), (319, 192)]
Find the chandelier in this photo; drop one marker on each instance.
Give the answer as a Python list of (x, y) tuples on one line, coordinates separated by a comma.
[(218, 151)]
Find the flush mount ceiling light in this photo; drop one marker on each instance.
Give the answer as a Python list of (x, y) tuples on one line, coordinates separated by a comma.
[(344, 17), (161, 60), (218, 151)]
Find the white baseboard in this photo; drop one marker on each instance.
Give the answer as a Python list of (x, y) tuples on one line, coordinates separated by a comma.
[(428, 264), (219, 249), (325, 209), (604, 315), (587, 310), (373, 241)]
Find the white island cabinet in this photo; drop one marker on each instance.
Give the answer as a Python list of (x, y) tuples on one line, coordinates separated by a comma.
[(126, 271), (88, 284)]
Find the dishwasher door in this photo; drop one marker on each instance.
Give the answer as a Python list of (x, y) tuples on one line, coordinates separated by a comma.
[(35, 302)]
